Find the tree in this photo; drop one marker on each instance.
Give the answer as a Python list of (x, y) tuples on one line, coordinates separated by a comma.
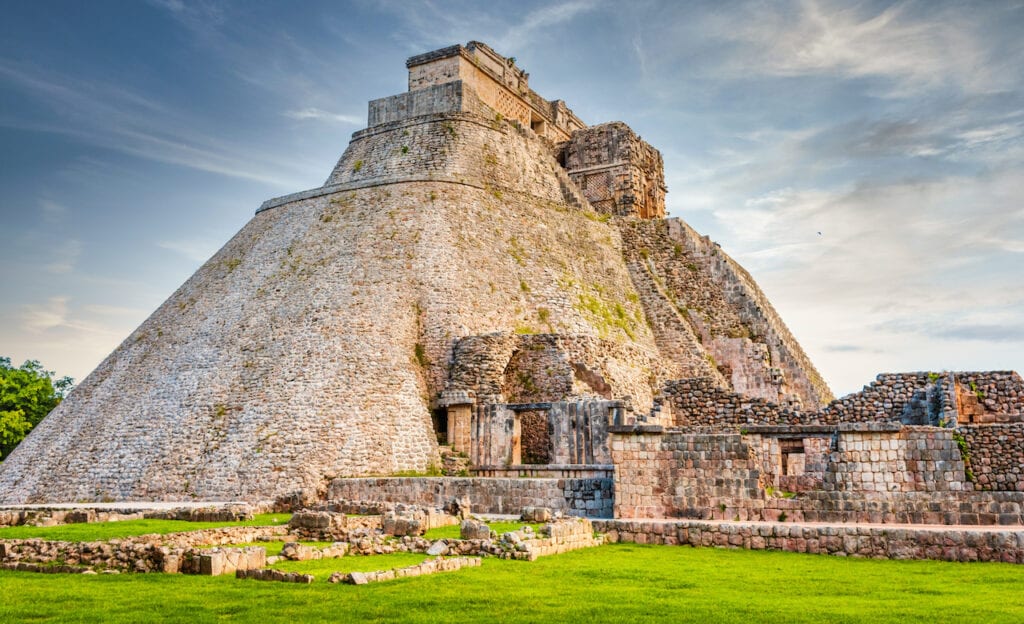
[(27, 395)]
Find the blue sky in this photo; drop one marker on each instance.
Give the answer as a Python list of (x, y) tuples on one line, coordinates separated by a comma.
[(137, 137)]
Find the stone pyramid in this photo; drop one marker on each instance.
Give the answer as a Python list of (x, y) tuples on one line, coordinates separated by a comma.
[(318, 340)]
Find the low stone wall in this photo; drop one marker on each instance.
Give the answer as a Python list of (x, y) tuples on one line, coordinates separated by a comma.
[(430, 566), (131, 556), (21, 566), (592, 498), (275, 575), (839, 540), (52, 516), (215, 537), (220, 561), (172, 553), (326, 525), (560, 537)]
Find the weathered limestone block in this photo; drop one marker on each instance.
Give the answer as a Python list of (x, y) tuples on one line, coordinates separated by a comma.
[(295, 551), (229, 560), (401, 524), (536, 514), (473, 529)]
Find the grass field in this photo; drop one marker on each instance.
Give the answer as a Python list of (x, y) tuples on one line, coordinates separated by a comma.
[(127, 528), (617, 583)]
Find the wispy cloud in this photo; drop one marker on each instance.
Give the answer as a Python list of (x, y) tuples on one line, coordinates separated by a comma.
[(320, 115), (41, 317), (197, 250), (116, 118), (915, 46), (540, 20), (422, 24)]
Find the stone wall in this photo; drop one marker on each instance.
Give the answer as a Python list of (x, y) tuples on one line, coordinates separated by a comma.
[(844, 541), (172, 553), (865, 473), (451, 97), (673, 475), (920, 398), (989, 397), (582, 497), (913, 459), (996, 455), (619, 173)]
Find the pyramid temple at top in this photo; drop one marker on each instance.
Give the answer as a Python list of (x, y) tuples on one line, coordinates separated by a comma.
[(482, 274)]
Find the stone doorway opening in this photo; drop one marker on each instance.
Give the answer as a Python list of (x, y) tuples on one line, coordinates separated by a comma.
[(439, 419)]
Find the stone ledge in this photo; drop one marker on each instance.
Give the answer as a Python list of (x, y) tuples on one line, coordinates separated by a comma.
[(656, 429)]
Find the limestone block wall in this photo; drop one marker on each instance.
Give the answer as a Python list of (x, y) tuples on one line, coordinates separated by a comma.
[(843, 541), (907, 475), (912, 459), (451, 97), (673, 475), (581, 497)]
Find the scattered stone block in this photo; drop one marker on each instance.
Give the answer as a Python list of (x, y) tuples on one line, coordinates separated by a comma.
[(537, 514), (471, 529)]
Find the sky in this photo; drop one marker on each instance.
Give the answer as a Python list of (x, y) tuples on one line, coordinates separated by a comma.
[(863, 160)]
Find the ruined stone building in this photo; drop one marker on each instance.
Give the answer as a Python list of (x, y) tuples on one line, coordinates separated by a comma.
[(488, 284)]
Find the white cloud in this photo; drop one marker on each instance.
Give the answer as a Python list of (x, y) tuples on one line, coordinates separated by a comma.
[(320, 115), (539, 20), (41, 317), (198, 250), (69, 339), (916, 47)]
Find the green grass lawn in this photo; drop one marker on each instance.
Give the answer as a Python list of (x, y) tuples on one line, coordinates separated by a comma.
[(126, 528), (617, 583)]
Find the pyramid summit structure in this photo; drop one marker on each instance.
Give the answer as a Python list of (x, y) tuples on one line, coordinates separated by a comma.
[(482, 274)]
